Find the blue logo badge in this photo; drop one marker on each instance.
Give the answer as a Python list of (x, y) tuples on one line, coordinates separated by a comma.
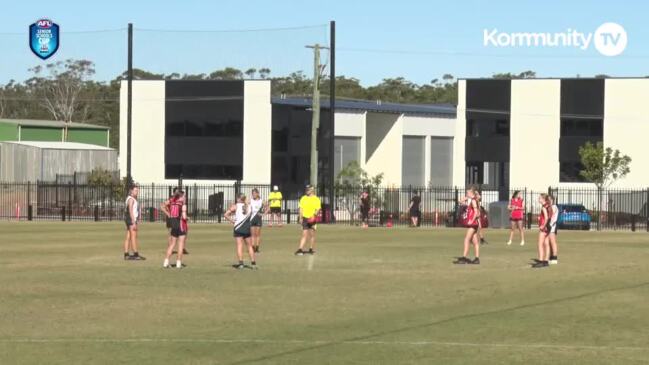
[(44, 38)]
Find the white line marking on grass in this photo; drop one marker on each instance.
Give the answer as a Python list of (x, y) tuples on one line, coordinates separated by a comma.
[(310, 262), (321, 342)]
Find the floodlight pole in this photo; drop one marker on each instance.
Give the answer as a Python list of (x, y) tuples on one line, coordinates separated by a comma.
[(129, 104)]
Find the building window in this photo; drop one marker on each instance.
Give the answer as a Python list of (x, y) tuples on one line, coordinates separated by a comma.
[(570, 172), (441, 161), (346, 149), (204, 130), (413, 161)]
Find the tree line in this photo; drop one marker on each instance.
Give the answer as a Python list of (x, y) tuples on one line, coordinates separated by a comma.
[(66, 91)]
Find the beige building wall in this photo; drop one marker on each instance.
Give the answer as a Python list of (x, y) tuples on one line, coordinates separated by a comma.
[(147, 131), (459, 162), (383, 148), (257, 132), (352, 124), (626, 126), (534, 134)]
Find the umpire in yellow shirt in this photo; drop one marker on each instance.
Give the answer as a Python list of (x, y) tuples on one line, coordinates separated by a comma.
[(310, 208), (275, 204)]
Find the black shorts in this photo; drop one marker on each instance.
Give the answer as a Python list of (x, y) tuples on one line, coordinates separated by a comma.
[(128, 222), (306, 225), (256, 221), (276, 210), (169, 222), (415, 213), (177, 232), (241, 234), (176, 228), (515, 219)]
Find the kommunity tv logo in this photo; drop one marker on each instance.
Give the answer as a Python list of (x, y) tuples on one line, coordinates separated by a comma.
[(609, 39)]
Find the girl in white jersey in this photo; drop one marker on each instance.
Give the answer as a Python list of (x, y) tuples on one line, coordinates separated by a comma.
[(132, 218), (242, 216), (552, 234), (258, 208)]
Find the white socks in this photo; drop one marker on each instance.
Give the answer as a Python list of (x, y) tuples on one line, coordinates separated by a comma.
[(178, 264), (166, 263)]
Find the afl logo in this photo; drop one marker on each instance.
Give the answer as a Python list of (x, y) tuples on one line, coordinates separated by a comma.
[(44, 38)]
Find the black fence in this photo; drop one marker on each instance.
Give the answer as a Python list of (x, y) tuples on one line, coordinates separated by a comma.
[(610, 209)]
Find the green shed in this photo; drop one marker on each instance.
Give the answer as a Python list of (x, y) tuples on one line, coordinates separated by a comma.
[(18, 130)]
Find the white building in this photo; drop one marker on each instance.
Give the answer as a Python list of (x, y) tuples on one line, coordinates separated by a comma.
[(222, 131), (526, 133)]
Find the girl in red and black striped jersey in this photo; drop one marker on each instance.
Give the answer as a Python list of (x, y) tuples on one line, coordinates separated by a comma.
[(544, 230), (470, 219), (176, 210), (517, 210)]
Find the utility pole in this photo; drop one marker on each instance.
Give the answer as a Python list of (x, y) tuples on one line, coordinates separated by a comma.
[(315, 119), (129, 106)]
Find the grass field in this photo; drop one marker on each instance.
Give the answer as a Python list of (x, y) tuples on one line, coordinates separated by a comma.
[(382, 296)]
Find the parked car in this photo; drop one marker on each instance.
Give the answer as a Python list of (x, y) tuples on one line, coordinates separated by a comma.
[(573, 216)]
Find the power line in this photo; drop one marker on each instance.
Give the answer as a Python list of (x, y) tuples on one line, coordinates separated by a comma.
[(472, 53)]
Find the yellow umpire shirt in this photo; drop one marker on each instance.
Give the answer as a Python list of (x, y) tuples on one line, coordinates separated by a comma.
[(275, 199), (310, 205)]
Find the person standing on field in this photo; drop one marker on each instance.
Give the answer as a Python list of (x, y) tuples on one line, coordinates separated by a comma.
[(132, 219), (258, 208), (365, 209), (275, 204), (310, 208), (176, 211), (165, 207), (552, 232), (517, 209)]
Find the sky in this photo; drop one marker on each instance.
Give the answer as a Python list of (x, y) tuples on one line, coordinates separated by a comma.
[(418, 40)]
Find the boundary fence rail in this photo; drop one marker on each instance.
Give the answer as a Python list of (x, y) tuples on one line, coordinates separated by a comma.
[(621, 209)]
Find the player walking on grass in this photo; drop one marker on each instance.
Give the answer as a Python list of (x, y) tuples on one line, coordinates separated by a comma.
[(470, 219), (132, 218), (544, 228), (517, 209), (258, 208), (176, 211), (552, 234), (310, 208), (275, 203), (241, 221)]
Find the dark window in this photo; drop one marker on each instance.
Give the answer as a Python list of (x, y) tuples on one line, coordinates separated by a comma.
[(570, 172), (583, 97), (581, 127), (491, 95), (204, 130)]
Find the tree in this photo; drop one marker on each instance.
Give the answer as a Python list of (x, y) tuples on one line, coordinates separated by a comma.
[(602, 167), (251, 72), (58, 86), (264, 72), (228, 73), (509, 76), (351, 181)]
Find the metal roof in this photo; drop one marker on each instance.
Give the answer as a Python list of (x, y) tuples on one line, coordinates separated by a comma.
[(60, 145), (441, 110), (51, 124)]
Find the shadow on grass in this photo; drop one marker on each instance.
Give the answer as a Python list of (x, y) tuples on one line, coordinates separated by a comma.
[(436, 323)]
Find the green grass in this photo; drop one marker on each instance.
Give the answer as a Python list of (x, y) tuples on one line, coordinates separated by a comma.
[(382, 296)]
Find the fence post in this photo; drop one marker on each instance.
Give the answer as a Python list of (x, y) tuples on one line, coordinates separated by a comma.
[(30, 212), (529, 220), (96, 213), (195, 210), (633, 218), (63, 213), (455, 206), (288, 216)]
